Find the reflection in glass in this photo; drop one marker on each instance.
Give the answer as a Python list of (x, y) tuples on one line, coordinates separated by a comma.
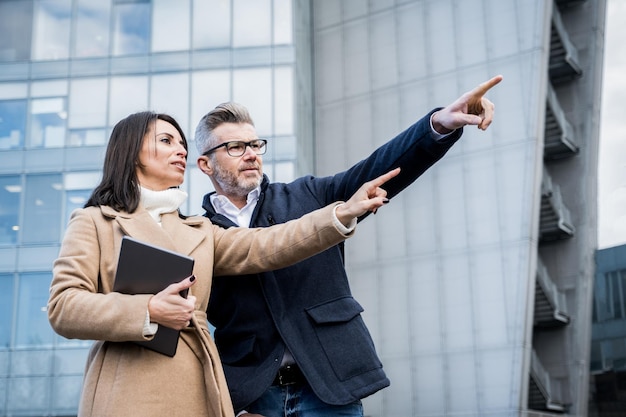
[(12, 123), (75, 200), (42, 208), (132, 28), (211, 24), (15, 30), (170, 14), (6, 309), (252, 23), (33, 328), (86, 137), (92, 28), (10, 193), (47, 124), (78, 187), (52, 35)]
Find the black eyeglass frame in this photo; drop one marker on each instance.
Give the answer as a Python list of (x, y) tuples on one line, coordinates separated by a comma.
[(245, 145)]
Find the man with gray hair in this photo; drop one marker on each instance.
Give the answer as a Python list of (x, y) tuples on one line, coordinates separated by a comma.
[(292, 341)]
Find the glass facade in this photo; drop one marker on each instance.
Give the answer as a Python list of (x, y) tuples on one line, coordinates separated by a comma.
[(69, 70), (608, 341)]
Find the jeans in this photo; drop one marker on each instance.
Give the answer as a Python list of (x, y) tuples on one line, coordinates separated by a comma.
[(299, 400)]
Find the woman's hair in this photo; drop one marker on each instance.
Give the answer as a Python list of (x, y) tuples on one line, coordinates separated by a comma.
[(119, 187), (229, 112)]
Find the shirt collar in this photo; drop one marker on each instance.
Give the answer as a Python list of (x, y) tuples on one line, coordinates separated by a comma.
[(220, 201)]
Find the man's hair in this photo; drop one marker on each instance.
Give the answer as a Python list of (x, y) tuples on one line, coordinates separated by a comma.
[(229, 112), (119, 187)]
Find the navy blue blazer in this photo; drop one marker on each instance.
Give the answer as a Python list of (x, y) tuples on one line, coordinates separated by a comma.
[(308, 307)]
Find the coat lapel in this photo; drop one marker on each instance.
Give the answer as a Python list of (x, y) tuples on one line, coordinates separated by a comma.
[(174, 233), (186, 234)]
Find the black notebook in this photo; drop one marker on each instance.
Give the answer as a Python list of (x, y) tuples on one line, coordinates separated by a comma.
[(147, 269)]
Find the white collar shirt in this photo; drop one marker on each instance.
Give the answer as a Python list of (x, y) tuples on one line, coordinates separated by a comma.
[(241, 217)]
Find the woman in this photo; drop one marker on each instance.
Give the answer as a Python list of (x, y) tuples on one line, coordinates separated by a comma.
[(144, 163)]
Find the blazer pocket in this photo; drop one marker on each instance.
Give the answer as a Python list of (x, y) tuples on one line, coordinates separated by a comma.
[(344, 338)]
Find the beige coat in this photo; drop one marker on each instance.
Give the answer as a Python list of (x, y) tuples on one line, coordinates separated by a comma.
[(124, 379)]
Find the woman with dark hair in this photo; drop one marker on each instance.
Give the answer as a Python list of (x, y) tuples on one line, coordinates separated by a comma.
[(138, 196)]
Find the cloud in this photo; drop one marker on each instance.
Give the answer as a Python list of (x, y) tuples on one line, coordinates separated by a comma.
[(613, 218), (612, 151)]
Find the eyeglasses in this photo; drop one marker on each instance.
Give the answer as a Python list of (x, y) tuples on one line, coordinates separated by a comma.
[(238, 147)]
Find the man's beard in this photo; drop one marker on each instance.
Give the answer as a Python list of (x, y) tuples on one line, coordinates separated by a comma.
[(231, 184)]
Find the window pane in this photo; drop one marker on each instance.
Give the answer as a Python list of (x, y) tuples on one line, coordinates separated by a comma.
[(42, 209), (283, 101), (88, 103), (52, 29), (615, 296), (32, 327), (282, 148), (92, 28), (131, 28), (13, 90), (12, 123), (10, 193), (284, 172), (47, 125), (169, 94), (253, 89), (620, 282), (6, 309), (87, 137), (15, 30), (211, 23), (167, 14), (86, 180), (208, 89), (78, 187), (198, 184), (283, 31), (75, 200), (128, 95), (252, 23), (600, 298), (48, 88)]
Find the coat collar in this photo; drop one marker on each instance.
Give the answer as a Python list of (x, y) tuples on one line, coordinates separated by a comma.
[(175, 233)]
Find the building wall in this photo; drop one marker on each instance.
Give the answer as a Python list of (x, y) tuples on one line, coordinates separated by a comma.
[(571, 262), (447, 271)]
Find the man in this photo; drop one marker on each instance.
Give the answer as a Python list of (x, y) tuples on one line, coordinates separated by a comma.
[(292, 341)]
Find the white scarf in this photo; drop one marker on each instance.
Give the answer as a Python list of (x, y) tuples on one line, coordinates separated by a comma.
[(160, 202)]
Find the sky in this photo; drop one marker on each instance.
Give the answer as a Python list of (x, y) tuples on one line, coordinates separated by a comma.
[(612, 152)]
